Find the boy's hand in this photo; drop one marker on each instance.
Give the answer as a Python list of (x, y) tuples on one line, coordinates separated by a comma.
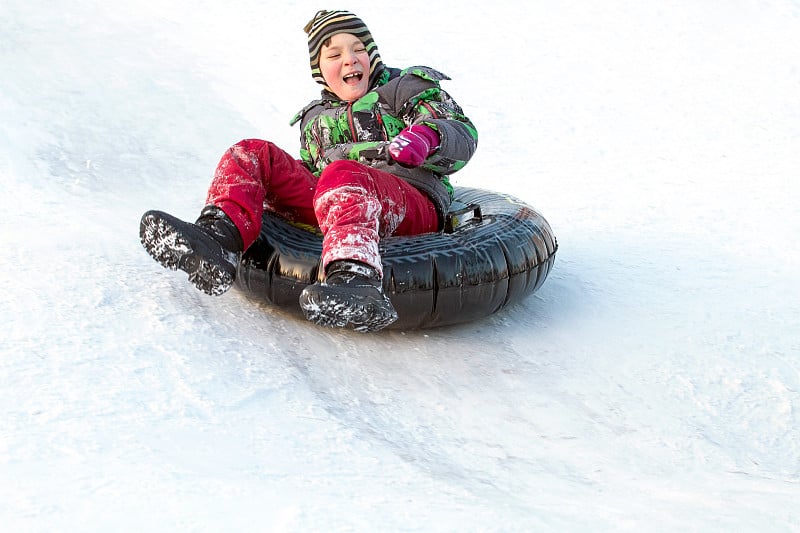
[(413, 145)]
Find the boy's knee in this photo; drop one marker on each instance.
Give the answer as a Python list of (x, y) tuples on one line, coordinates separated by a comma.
[(342, 165), (344, 172)]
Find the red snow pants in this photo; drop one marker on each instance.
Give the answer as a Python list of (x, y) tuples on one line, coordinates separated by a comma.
[(353, 205)]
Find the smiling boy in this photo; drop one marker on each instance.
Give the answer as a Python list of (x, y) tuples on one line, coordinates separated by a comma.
[(342, 62), (376, 150)]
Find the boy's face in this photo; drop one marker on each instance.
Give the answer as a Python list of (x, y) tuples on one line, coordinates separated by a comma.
[(344, 64)]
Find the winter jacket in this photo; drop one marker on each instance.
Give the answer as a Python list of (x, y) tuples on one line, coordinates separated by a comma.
[(333, 129)]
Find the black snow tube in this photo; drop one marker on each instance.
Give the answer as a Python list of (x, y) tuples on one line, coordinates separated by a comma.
[(495, 250)]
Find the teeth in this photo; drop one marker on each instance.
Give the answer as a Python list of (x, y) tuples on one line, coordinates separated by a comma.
[(353, 75)]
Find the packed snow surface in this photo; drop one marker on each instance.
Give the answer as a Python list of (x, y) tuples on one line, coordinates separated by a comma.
[(653, 383)]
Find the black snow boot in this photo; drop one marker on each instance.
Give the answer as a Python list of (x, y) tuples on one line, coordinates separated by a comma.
[(350, 297), (208, 250)]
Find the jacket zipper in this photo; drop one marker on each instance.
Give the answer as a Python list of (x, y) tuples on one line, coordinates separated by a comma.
[(430, 109), (379, 118), (351, 122)]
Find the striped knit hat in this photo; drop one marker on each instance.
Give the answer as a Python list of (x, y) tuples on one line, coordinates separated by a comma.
[(325, 25)]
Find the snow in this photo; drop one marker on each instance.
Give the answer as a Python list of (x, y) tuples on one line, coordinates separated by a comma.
[(653, 383)]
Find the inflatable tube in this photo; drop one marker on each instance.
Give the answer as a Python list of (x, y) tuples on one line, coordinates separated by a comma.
[(494, 251)]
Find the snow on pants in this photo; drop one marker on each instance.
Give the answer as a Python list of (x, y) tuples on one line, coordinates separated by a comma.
[(353, 205)]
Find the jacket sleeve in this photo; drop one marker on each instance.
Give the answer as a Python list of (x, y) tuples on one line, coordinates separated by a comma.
[(307, 146), (428, 104)]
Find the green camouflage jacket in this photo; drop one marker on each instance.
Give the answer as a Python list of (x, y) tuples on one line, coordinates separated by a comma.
[(332, 129)]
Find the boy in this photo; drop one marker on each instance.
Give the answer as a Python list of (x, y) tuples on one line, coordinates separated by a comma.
[(376, 150)]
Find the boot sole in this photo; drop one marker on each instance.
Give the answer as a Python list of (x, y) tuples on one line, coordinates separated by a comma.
[(333, 307), (164, 241)]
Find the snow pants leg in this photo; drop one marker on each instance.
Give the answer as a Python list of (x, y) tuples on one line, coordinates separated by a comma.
[(354, 205), (254, 175)]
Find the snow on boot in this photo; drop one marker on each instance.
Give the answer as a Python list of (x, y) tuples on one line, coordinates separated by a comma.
[(351, 296), (207, 250)]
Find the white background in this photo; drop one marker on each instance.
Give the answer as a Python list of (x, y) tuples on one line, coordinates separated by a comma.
[(653, 383)]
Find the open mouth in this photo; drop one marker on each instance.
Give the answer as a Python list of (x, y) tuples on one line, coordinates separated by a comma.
[(353, 78)]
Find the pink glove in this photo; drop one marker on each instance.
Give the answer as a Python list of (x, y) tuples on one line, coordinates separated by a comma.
[(413, 145)]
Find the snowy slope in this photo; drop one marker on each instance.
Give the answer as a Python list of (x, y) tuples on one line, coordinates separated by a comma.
[(653, 383)]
